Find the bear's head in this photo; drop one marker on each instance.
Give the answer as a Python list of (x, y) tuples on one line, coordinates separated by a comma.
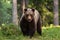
[(29, 14)]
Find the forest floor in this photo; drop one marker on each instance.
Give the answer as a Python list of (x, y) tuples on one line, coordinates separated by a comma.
[(47, 34)]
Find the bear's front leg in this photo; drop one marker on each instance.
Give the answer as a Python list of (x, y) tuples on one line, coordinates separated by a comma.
[(24, 28), (31, 29)]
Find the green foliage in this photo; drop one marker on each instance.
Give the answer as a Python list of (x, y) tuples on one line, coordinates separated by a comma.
[(10, 29), (5, 11), (48, 33)]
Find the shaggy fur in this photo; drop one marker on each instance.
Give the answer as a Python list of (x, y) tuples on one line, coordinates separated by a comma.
[(28, 28)]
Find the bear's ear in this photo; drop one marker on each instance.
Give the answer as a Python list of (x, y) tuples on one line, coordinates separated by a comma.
[(33, 10), (25, 10)]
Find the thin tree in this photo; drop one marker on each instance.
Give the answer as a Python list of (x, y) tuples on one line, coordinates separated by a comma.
[(22, 6), (14, 9), (26, 3), (55, 10)]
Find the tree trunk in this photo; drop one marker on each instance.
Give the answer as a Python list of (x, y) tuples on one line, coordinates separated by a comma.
[(26, 3), (55, 9), (22, 6), (15, 16)]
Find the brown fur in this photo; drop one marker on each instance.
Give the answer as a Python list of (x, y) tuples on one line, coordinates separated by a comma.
[(29, 25)]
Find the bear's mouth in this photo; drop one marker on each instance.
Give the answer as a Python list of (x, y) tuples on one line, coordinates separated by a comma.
[(29, 20)]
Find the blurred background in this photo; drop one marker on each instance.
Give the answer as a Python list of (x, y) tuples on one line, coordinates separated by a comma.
[(10, 11)]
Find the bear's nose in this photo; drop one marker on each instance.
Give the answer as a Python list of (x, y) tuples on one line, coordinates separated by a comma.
[(29, 17)]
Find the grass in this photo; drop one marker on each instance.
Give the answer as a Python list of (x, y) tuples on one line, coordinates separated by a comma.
[(51, 34), (47, 34)]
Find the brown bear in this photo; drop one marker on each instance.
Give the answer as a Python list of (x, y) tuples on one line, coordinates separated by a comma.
[(30, 21)]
